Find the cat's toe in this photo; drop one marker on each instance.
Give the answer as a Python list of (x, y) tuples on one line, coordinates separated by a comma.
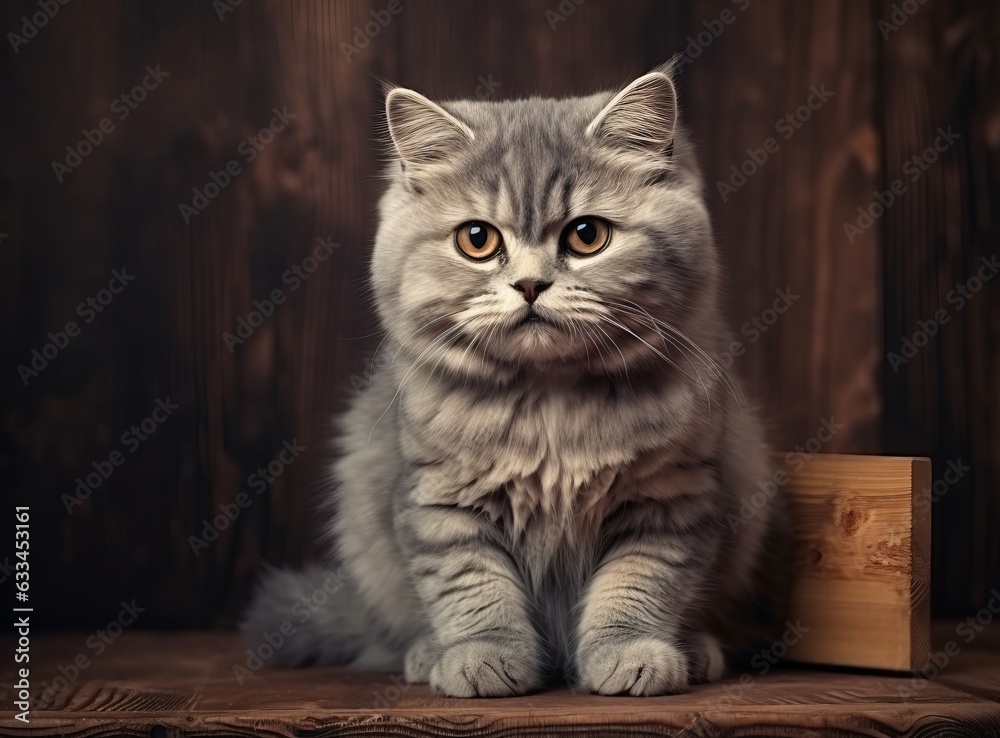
[(418, 661), (636, 666), (486, 668)]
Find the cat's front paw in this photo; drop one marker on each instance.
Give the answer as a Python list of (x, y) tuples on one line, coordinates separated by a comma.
[(486, 668), (638, 666)]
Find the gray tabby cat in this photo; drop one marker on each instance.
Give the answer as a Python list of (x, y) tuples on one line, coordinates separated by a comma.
[(551, 479)]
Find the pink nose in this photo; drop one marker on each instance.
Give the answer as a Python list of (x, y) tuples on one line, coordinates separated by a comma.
[(531, 288)]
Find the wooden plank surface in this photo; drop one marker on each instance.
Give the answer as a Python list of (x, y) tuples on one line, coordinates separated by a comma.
[(861, 529), (155, 684)]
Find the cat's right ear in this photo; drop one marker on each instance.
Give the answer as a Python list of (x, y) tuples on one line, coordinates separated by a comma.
[(642, 117), (422, 131)]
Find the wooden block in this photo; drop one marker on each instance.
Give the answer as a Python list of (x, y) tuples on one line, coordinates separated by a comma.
[(862, 540)]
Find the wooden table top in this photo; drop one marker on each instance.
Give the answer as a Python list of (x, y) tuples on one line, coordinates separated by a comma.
[(179, 684)]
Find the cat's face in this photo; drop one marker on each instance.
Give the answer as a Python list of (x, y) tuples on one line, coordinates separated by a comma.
[(534, 234)]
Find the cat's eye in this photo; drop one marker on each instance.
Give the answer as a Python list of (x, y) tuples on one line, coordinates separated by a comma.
[(478, 240), (586, 236)]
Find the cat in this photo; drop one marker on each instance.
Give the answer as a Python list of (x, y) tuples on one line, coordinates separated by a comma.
[(551, 479)]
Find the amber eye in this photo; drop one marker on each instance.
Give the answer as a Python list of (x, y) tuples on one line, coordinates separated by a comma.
[(478, 240), (586, 236)]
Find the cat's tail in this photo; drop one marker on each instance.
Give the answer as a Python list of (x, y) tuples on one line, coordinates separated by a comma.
[(312, 616)]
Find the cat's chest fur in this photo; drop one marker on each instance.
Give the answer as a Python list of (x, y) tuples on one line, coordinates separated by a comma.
[(543, 447), (548, 463)]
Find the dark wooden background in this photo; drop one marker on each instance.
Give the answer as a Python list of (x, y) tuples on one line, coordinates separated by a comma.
[(162, 336)]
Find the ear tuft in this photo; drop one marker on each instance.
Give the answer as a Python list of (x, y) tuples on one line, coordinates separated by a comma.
[(643, 116), (422, 131)]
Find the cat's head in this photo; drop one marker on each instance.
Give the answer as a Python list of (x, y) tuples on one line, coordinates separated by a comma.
[(526, 235)]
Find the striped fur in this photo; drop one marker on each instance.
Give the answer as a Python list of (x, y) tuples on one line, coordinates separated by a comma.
[(520, 504)]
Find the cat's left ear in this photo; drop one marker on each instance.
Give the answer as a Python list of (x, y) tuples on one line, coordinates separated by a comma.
[(643, 116)]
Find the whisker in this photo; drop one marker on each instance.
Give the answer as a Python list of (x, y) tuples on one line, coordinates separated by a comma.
[(442, 352), (600, 354), (731, 385), (663, 356), (403, 342), (620, 353), (413, 367)]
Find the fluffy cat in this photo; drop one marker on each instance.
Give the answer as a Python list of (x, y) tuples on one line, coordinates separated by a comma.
[(552, 478)]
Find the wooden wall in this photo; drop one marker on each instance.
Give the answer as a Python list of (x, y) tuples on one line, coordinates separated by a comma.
[(942, 70), (230, 65)]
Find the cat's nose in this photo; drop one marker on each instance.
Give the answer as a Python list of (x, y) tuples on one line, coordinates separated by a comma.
[(531, 288)]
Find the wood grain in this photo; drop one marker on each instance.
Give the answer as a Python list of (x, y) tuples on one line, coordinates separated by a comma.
[(941, 69), (862, 560), (781, 228), (197, 669)]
